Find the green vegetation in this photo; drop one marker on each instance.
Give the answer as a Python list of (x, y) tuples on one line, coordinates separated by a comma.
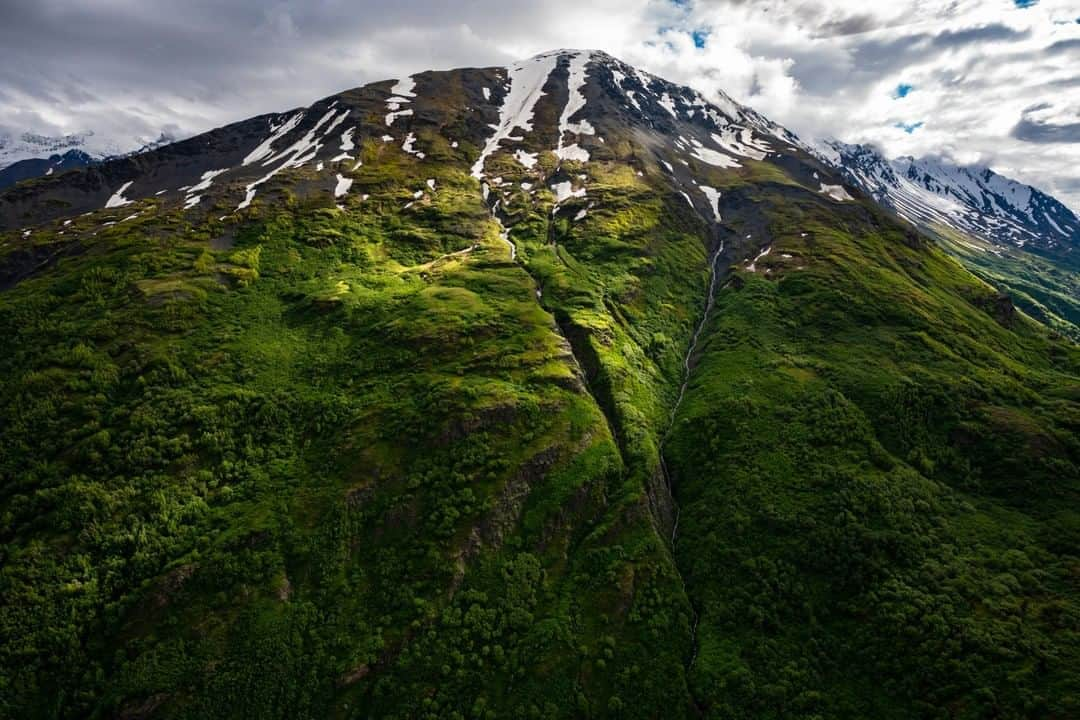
[(878, 484), (1047, 289), (322, 462)]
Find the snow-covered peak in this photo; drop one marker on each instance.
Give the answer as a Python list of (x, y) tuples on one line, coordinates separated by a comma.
[(972, 199), (15, 147)]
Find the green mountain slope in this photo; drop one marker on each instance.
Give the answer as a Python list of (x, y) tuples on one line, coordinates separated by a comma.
[(1046, 288), (877, 473), (362, 454)]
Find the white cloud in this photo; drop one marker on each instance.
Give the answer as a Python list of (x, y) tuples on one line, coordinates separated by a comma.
[(992, 83)]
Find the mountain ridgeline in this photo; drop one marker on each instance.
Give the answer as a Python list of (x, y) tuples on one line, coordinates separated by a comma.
[(1015, 237), (549, 391)]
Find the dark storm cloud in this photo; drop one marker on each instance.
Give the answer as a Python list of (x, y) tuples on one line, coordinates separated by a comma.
[(848, 26), (886, 55), (986, 33), (1034, 130), (1064, 46)]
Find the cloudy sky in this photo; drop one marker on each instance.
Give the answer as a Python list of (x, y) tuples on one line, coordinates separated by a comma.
[(995, 82)]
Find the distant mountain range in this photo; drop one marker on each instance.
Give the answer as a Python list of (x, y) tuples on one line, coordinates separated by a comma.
[(30, 155), (934, 193)]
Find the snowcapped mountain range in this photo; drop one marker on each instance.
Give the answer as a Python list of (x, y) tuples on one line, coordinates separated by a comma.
[(933, 193), (32, 146), (19, 147)]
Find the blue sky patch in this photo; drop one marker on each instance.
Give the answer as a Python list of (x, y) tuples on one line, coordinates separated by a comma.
[(1025, 3), (700, 36), (909, 127), (902, 90)]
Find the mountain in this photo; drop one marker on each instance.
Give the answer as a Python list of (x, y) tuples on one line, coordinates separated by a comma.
[(1014, 236), (30, 169), (31, 155), (549, 390), (974, 200)]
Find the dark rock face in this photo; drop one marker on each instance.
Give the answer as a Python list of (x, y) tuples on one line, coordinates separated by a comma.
[(1000, 307)]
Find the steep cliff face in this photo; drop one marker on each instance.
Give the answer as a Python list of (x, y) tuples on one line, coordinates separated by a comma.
[(550, 390)]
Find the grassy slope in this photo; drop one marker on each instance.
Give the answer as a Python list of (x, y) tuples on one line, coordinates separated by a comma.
[(344, 468), (1048, 290), (331, 469), (878, 483)]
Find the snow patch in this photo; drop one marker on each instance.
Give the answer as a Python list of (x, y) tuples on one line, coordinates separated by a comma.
[(343, 185), (300, 152), (527, 80), (391, 117), (248, 197), (347, 140), (713, 196), (527, 159), (573, 152), (836, 192), (118, 199), (712, 157), (564, 191), (667, 104), (193, 193), (337, 121), (574, 104), (404, 87), (303, 149), (1056, 226), (741, 141), (752, 267), (407, 146), (265, 149)]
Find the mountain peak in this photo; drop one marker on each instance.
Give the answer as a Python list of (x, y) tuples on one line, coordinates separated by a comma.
[(974, 199), (568, 102)]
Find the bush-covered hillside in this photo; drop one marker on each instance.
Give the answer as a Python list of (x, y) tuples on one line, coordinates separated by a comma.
[(656, 434)]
